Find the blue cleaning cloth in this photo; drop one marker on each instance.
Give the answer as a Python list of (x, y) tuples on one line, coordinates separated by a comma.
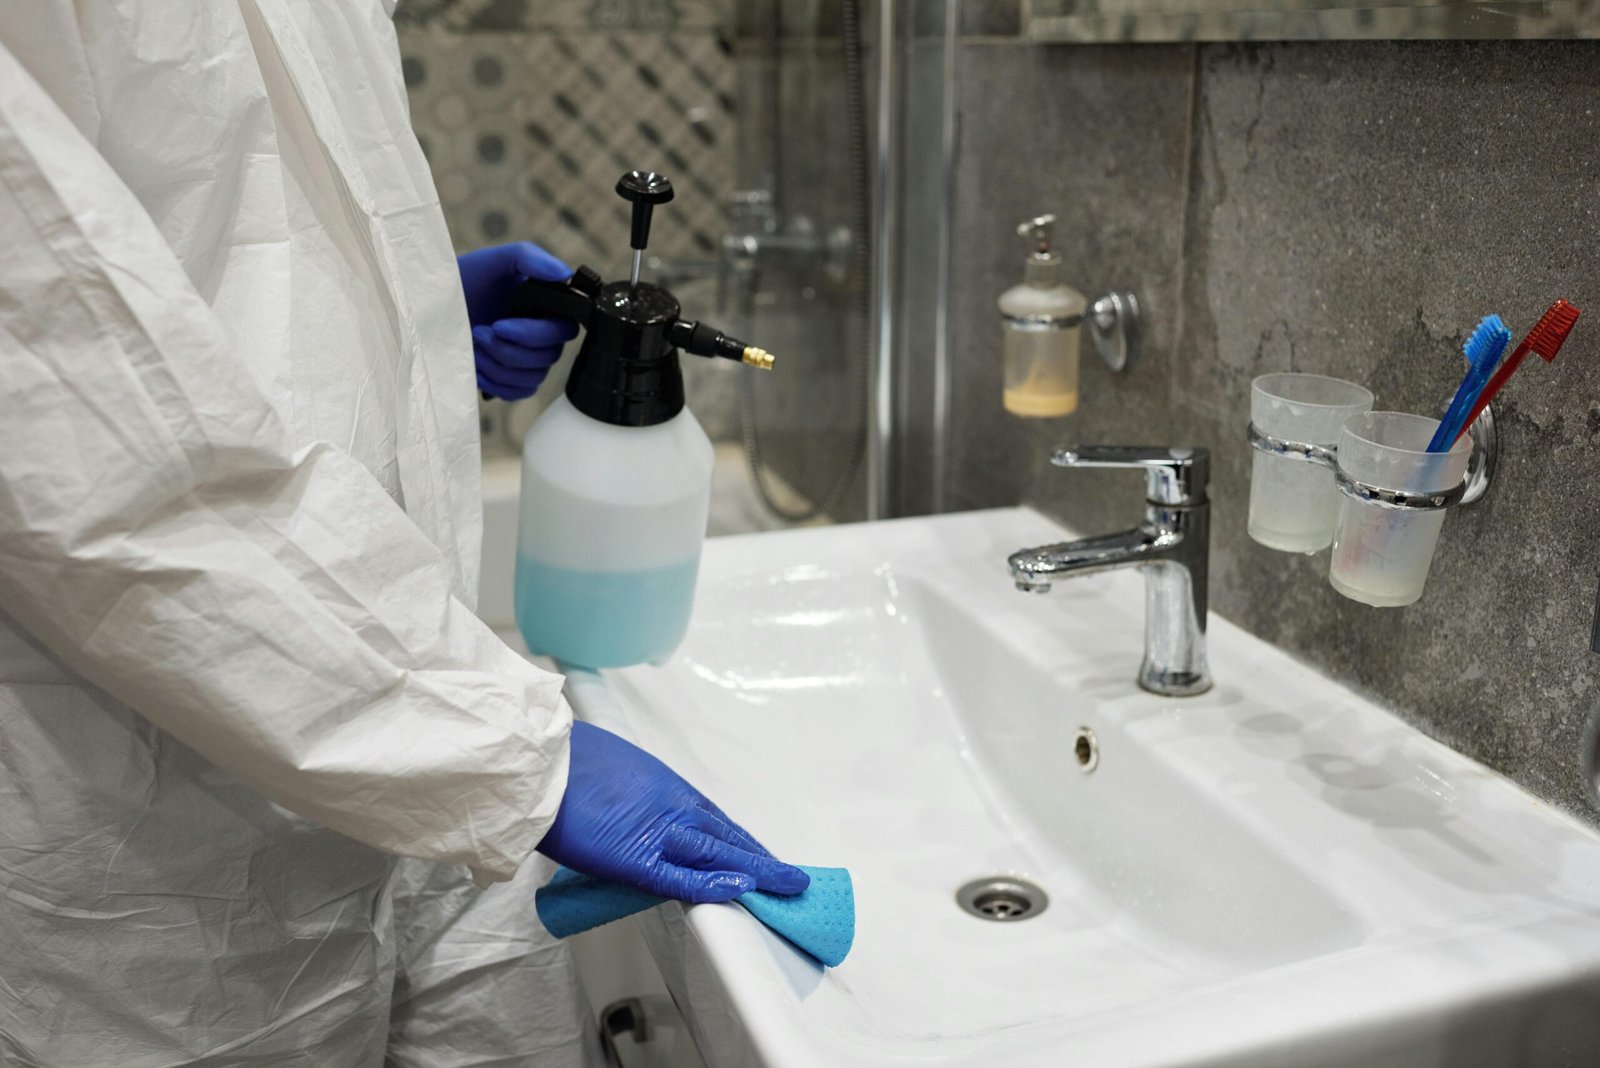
[(821, 921)]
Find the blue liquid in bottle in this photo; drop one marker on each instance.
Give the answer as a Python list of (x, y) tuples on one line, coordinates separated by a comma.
[(600, 619)]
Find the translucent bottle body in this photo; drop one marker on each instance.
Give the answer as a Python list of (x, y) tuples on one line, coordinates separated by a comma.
[(608, 548), (1043, 327), (1041, 373)]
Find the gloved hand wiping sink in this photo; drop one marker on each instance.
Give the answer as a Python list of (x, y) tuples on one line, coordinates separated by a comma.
[(821, 920), (627, 816), (646, 836)]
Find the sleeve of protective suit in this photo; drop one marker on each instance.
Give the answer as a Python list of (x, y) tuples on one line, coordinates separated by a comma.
[(273, 609)]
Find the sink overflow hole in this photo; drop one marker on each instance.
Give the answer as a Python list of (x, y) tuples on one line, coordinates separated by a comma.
[(1004, 899), (1086, 749)]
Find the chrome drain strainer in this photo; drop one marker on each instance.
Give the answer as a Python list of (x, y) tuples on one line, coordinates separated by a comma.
[(1003, 898)]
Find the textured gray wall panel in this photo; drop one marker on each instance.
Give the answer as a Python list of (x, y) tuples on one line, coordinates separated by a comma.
[(1350, 209)]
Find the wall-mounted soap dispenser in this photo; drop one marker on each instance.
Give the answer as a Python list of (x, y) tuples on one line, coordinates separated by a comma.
[(1043, 319), (616, 474)]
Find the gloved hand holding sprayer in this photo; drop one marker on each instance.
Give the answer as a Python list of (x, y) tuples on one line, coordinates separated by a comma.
[(625, 815)]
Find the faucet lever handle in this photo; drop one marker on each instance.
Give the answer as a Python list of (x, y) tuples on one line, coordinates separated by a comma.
[(1174, 475)]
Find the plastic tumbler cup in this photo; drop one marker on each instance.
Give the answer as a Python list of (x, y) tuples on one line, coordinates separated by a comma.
[(1293, 504), (1381, 555)]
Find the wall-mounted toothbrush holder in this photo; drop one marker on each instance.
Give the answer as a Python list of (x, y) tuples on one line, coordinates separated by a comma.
[(1377, 495)]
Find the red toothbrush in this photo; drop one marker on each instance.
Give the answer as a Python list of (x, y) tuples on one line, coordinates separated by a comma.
[(1545, 338)]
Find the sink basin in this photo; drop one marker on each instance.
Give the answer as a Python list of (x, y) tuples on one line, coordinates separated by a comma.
[(1277, 872)]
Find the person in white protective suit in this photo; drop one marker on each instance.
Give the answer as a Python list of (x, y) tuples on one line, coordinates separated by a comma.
[(240, 676)]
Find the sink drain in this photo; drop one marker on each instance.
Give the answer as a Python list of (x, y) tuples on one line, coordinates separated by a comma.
[(1004, 899)]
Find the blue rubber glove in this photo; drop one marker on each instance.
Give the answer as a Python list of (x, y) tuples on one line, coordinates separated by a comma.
[(513, 355), (629, 817)]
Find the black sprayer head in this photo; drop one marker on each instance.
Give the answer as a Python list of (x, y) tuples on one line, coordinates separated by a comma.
[(626, 372)]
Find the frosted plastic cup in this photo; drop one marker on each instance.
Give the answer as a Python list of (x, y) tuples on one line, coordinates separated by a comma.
[(1293, 503), (1381, 555)]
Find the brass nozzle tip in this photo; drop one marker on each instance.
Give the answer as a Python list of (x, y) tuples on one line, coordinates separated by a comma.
[(760, 358)]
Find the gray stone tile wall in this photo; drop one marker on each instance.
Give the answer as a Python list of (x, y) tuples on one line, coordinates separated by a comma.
[(1345, 208)]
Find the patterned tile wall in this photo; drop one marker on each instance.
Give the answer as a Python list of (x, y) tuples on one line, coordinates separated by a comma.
[(529, 111)]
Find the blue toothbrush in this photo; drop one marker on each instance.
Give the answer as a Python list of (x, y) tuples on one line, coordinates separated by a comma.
[(1483, 350)]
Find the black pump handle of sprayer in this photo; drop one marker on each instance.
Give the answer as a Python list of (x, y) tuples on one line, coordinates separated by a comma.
[(644, 189), (571, 299)]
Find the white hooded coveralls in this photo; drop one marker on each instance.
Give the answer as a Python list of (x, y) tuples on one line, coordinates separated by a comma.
[(239, 522)]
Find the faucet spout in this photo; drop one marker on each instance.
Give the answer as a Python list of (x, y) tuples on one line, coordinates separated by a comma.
[(1032, 568), (1171, 547)]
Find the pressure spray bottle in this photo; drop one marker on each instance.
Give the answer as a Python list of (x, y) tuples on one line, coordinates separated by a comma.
[(616, 474)]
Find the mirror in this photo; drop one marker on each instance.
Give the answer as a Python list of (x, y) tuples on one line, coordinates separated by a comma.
[(1109, 21)]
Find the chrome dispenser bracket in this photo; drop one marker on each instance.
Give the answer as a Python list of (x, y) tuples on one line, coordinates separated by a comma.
[(1113, 323)]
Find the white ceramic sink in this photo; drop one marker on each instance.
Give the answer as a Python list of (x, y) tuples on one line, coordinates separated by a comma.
[(1275, 873)]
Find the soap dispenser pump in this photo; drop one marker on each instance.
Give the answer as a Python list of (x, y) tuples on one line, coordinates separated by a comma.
[(1043, 320), (616, 473)]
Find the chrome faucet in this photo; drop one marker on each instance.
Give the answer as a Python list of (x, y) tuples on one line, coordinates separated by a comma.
[(1171, 547)]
